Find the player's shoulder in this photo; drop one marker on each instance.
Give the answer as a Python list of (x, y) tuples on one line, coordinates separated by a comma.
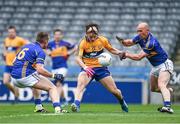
[(37, 48), (82, 40), (18, 38), (6, 39), (137, 38), (51, 42), (30, 45), (153, 38), (64, 42), (102, 37)]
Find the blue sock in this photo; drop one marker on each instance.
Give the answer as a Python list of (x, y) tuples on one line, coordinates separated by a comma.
[(77, 102), (63, 100), (167, 103), (56, 104), (37, 101), (121, 101)]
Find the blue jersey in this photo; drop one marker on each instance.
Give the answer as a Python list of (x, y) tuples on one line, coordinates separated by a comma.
[(25, 61), (59, 53), (151, 46)]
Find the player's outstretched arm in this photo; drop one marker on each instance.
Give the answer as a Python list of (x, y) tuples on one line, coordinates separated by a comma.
[(72, 51), (127, 42), (41, 70), (136, 57), (115, 51)]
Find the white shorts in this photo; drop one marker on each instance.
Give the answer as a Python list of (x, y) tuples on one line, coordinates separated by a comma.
[(166, 66), (62, 71), (28, 81)]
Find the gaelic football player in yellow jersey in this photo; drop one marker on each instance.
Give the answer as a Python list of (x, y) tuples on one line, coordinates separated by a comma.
[(12, 45), (90, 47)]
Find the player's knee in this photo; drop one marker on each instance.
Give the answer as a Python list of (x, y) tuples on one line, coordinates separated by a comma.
[(115, 91), (81, 86), (58, 84), (52, 87), (161, 85)]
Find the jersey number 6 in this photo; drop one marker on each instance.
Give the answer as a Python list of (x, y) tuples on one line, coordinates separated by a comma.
[(22, 53)]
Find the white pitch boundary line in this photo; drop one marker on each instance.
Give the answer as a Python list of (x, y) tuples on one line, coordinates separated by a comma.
[(27, 115), (92, 114)]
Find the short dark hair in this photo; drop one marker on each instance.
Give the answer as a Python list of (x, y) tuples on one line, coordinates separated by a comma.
[(92, 25), (12, 27), (41, 36), (57, 30)]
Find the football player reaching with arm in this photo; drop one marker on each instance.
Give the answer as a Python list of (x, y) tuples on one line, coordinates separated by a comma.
[(28, 70), (162, 67), (90, 47)]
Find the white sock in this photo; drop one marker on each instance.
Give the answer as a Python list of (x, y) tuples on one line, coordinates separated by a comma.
[(57, 109)]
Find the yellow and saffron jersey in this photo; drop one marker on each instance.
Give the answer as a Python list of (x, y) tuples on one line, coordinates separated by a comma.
[(89, 51), (12, 47)]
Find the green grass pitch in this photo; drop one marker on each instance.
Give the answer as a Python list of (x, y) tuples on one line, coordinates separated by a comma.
[(90, 113)]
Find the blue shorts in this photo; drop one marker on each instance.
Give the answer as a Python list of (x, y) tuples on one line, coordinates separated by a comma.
[(8, 69), (100, 73)]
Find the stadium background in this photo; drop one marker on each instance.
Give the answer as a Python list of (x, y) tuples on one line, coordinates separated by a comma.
[(115, 17)]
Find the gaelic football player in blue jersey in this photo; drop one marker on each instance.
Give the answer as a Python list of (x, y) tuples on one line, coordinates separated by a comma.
[(28, 69), (59, 50), (162, 67)]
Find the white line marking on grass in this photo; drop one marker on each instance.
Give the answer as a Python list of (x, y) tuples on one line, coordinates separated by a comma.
[(134, 114), (14, 116), (27, 115), (124, 115)]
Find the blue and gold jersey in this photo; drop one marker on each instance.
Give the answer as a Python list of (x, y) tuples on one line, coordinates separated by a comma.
[(25, 61), (151, 46), (59, 53)]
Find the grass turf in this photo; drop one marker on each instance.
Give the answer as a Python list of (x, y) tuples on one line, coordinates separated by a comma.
[(90, 113)]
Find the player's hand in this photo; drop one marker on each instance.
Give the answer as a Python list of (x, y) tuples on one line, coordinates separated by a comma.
[(89, 71), (122, 55), (120, 40), (58, 77)]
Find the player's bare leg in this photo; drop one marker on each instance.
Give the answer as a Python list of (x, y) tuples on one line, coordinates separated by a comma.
[(163, 80), (61, 92), (59, 88), (83, 81), (37, 100), (11, 87), (109, 83), (45, 84), (154, 85)]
